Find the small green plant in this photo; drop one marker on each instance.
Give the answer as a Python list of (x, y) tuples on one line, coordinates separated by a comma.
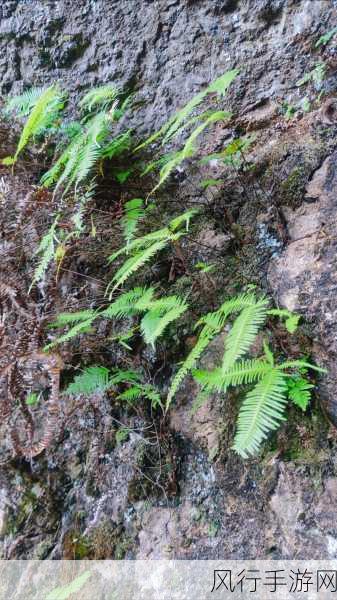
[(144, 248), (133, 213), (299, 389), (326, 37), (98, 379), (316, 75), (44, 109), (81, 144), (183, 121), (157, 313), (264, 406), (231, 155)]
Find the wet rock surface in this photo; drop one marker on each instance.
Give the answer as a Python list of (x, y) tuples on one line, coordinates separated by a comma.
[(180, 492)]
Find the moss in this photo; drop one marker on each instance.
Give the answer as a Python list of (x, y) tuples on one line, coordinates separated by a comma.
[(109, 541), (75, 546), (293, 188)]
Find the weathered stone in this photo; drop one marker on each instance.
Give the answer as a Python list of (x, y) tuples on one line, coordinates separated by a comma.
[(304, 277)]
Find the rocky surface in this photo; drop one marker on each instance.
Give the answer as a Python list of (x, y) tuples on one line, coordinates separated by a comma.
[(304, 277), (88, 496)]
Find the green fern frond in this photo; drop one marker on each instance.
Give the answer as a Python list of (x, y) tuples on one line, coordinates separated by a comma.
[(262, 411), (129, 303), (43, 113), (23, 104), (71, 318), (131, 394), (205, 337), (241, 373), (53, 174), (175, 123), (188, 149), (291, 319), (300, 364), (117, 145), (299, 391), (81, 155), (165, 235), (243, 332), (90, 381), (161, 314), (124, 376), (102, 96), (78, 329), (133, 212), (134, 263), (137, 392), (47, 251)]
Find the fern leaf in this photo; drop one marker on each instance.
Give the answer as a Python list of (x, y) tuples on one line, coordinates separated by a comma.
[(291, 319), (117, 146), (54, 173), (134, 263), (75, 317), (300, 364), (205, 337), (37, 117), (162, 313), (123, 376), (129, 303), (90, 381), (102, 96), (262, 411), (137, 392), (243, 332), (299, 391), (131, 394), (23, 104), (79, 328), (242, 372), (175, 123), (133, 212), (47, 250)]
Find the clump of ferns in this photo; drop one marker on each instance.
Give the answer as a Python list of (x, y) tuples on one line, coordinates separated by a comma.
[(272, 383), (81, 148)]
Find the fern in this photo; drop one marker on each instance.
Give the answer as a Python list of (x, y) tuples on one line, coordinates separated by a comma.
[(189, 148), (262, 411), (23, 104), (102, 96), (243, 332), (137, 392), (47, 251), (175, 124), (299, 391), (89, 142), (127, 304), (79, 328), (146, 247), (98, 379), (291, 319), (90, 381), (133, 212), (43, 114), (183, 120), (212, 323), (161, 313), (241, 373), (84, 152), (205, 337), (75, 317), (134, 263)]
